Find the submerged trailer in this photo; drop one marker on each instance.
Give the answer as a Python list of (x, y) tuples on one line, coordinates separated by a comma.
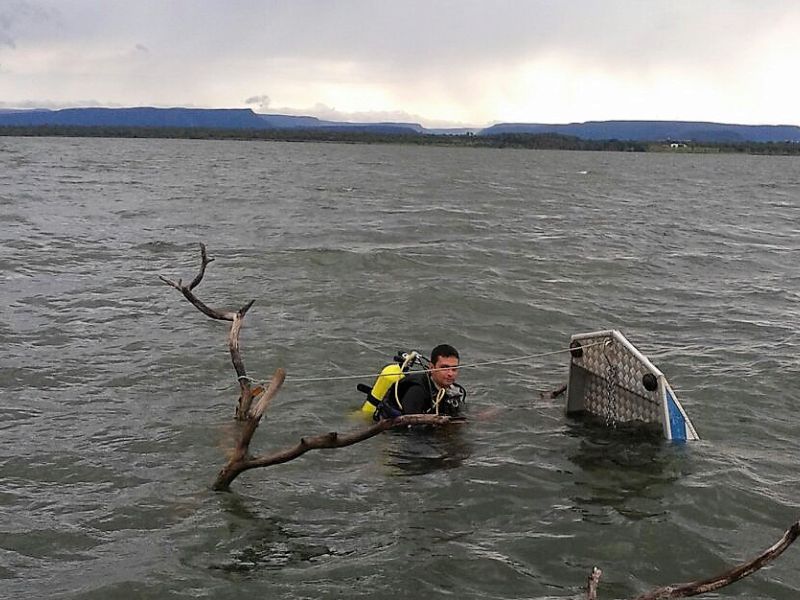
[(610, 378)]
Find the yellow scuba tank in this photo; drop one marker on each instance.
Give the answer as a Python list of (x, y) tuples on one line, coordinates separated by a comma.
[(390, 374)]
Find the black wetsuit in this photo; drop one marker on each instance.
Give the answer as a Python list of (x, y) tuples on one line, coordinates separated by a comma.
[(417, 394)]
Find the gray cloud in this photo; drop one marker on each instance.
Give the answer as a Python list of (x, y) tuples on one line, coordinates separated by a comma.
[(416, 36), (56, 104), (262, 101), (393, 56), (17, 17)]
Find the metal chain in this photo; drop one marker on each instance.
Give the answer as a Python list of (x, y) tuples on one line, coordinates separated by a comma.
[(612, 377)]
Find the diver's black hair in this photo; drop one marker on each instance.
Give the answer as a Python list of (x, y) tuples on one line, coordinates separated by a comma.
[(443, 350)]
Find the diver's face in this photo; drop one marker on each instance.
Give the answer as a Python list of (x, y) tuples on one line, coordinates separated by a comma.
[(446, 371)]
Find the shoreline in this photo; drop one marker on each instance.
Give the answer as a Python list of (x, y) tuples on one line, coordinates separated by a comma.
[(517, 141)]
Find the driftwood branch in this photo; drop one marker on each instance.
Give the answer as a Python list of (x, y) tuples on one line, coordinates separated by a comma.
[(246, 391), (683, 590), (241, 461), (594, 580), (694, 588), (204, 262)]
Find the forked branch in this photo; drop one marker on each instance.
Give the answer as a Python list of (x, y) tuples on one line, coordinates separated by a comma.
[(246, 391)]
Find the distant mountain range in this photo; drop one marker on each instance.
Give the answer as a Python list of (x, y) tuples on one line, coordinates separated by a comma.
[(651, 131), (233, 119)]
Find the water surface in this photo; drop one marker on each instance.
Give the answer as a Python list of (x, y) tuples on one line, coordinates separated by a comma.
[(116, 395)]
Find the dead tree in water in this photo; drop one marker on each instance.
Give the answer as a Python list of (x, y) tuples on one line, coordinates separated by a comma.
[(254, 400)]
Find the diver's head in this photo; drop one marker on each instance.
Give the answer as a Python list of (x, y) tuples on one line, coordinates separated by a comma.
[(444, 364)]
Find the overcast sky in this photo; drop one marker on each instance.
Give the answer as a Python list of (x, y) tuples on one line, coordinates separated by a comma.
[(436, 62)]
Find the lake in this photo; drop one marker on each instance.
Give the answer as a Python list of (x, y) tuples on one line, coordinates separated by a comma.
[(117, 396)]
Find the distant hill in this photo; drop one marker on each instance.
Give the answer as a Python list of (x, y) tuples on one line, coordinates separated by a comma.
[(293, 122), (137, 117), (246, 119), (651, 131), (16, 110), (222, 118)]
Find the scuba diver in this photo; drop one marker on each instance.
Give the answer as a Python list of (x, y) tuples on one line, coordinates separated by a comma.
[(399, 391)]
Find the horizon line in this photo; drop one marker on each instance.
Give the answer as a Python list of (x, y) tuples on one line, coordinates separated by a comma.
[(26, 106)]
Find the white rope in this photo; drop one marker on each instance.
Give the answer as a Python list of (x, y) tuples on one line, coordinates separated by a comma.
[(487, 363), (502, 361)]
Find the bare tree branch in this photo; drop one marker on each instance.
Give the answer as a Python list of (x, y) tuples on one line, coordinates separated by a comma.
[(240, 462), (694, 588), (204, 260), (594, 580), (684, 590), (187, 290), (253, 418), (236, 318)]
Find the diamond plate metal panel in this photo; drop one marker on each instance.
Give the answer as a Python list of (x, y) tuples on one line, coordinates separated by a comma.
[(611, 382)]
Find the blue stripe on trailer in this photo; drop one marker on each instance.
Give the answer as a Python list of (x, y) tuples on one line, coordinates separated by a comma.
[(677, 424)]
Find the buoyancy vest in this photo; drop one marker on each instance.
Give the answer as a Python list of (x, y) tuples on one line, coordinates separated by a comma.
[(449, 405)]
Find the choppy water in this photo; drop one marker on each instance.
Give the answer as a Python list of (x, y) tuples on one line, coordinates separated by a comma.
[(116, 396)]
